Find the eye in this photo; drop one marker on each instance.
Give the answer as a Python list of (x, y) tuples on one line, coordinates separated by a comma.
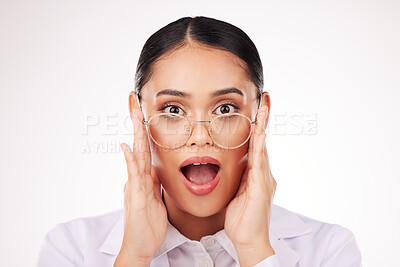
[(226, 108), (171, 109)]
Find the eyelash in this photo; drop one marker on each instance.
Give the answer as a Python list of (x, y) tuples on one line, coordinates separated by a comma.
[(172, 105)]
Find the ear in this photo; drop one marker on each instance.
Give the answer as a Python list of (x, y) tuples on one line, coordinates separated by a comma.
[(266, 101), (133, 102)]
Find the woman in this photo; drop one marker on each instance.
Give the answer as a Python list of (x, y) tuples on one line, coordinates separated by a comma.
[(200, 188)]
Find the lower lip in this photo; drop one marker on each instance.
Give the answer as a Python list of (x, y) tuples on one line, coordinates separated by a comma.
[(203, 189)]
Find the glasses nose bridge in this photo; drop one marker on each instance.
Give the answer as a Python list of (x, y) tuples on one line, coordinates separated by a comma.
[(209, 121), (198, 136), (194, 123)]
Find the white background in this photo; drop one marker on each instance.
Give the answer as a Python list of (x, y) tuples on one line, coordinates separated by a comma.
[(66, 64)]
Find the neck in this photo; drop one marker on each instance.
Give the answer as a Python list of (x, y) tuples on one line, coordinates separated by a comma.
[(192, 227)]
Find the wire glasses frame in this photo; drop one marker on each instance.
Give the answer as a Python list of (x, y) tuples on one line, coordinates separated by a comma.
[(147, 122)]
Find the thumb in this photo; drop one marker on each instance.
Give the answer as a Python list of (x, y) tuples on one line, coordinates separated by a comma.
[(243, 182), (156, 184)]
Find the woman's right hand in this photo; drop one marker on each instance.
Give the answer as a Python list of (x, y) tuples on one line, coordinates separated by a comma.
[(145, 214)]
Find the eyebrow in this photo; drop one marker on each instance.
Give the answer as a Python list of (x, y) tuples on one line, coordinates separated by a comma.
[(224, 91)]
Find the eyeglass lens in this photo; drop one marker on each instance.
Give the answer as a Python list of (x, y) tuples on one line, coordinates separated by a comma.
[(174, 131)]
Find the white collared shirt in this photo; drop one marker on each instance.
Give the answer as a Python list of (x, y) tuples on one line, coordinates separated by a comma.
[(298, 241)]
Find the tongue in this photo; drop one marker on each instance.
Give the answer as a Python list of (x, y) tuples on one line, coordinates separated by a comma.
[(200, 174)]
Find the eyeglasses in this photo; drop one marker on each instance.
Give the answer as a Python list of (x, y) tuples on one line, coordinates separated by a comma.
[(229, 130)]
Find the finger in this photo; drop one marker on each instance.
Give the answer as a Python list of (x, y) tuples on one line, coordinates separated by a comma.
[(126, 193), (243, 182), (251, 145), (255, 131), (131, 165), (157, 184), (259, 139), (126, 186), (141, 143), (266, 168), (269, 178), (258, 157), (274, 185), (261, 119), (251, 142)]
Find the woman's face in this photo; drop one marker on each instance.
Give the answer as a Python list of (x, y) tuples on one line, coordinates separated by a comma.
[(199, 71)]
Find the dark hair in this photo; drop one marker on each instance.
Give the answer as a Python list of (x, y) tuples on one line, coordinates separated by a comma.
[(206, 31)]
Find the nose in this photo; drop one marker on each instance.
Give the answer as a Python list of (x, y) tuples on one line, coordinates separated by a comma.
[(200, 135)]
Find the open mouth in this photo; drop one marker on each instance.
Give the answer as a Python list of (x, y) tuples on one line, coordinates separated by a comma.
[(200, 173)]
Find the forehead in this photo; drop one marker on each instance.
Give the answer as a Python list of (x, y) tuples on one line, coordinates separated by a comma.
[(198, 71)]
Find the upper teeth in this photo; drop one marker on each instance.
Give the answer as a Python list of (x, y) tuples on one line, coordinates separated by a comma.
[(198, 163)]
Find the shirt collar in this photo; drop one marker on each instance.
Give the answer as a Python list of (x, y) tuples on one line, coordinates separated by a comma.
[(283, 224), (174, 239)]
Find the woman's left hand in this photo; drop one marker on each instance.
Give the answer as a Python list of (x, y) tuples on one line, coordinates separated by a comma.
[(248, 215)]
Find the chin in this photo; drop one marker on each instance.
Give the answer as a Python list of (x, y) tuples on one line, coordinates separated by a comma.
[(202, 212), (206, 206)]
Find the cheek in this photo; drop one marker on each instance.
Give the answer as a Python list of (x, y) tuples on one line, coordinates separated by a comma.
[(233, 169), (238, 159), (166, 164)]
